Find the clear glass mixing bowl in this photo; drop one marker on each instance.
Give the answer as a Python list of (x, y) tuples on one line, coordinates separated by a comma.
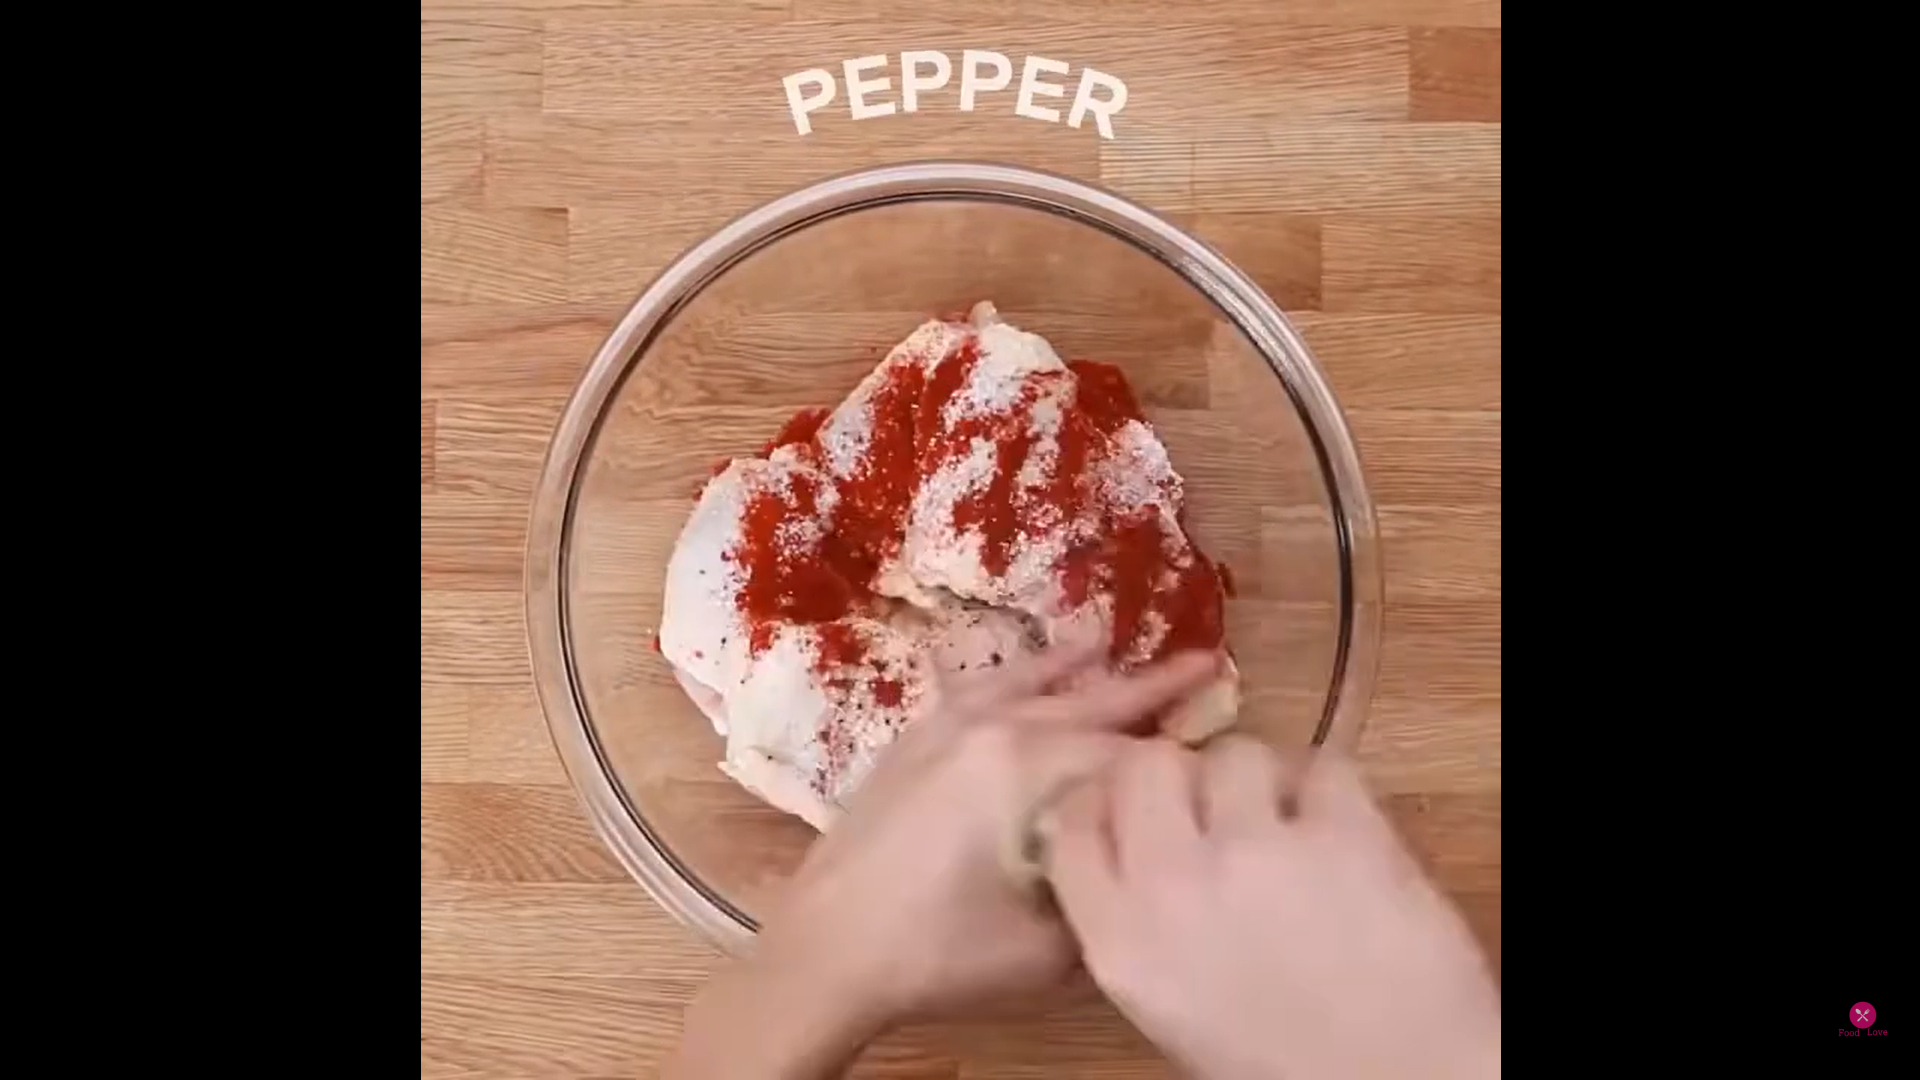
[(787, 307)]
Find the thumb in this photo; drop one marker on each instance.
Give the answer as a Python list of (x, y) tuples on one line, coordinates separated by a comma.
[(1076, 856), (1052, 764)]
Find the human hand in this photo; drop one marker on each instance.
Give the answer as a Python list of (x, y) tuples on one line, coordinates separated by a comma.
[(1258, 921), (908, 895), (908, 905)]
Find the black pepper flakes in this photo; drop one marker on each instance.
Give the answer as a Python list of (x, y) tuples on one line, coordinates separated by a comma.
[(996, 658)]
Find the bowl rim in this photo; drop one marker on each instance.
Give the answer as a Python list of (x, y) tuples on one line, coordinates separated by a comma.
[(646, 856)]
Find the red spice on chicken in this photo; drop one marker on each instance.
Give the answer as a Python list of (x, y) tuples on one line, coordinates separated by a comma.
[(971, 497), (1132, 559)]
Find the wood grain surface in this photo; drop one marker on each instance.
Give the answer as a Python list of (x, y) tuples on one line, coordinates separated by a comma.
[(1346, 153)]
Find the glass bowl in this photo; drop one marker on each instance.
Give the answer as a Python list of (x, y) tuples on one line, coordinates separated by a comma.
[(788, 307)]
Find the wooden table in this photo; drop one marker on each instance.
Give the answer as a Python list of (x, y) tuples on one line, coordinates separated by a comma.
[(1344, 152)]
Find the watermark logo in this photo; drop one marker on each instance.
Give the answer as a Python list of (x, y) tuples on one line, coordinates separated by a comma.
[(1862, 1015)]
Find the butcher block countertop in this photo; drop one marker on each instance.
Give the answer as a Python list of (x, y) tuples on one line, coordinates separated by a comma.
[(1345, 153)]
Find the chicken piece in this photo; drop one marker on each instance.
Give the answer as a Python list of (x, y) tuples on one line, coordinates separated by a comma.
[(811, 677)]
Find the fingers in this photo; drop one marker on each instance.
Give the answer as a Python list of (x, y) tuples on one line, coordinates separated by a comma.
[(1335, 803), (1049, 769), (1076, 854), (1245, 784), (1240, 785), (1155, 825), (1036, 673), (1117, 702), (1332, 790)]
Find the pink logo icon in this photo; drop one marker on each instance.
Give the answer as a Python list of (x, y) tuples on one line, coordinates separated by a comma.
[(1861, 1014)]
